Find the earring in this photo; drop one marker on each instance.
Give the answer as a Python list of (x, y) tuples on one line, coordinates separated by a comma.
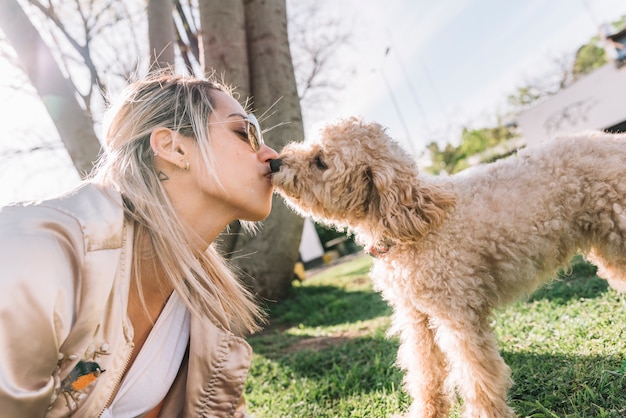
[(155, 153), (186, 166)]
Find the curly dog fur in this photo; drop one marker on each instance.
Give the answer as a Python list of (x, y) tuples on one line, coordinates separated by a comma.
[(453, 248)]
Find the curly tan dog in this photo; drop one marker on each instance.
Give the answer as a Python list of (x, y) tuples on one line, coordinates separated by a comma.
[(451, 249)]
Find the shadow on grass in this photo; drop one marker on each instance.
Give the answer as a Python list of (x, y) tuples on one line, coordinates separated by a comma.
[(563, 290), (340, 366), (314, 306), (578, 281), (349, 377), (326, 374), (552, 385), (327, 305)]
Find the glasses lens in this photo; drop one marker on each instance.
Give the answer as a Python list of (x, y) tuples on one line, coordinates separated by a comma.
[(254, 133)]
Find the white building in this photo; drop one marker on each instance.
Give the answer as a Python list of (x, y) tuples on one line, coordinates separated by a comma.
[(595, 101), (311, 249)]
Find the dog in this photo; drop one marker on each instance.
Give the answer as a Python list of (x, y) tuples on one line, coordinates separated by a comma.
[(451, 249)]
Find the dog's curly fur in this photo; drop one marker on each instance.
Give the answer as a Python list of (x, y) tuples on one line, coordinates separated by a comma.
[(453, 248)]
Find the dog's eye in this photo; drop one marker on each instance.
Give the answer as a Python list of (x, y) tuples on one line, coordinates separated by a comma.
[(319, 163)]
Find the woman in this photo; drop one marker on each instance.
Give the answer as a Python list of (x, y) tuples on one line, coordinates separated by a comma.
[(113, 301)]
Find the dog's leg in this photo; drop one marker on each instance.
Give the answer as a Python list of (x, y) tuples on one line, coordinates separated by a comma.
[(424, 364), (477, 369), (613, 269)]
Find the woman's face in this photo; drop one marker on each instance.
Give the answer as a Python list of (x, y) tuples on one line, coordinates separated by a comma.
[(243, 172)]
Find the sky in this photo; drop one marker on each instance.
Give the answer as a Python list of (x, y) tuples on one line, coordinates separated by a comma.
[(422, 68), (427, 68)]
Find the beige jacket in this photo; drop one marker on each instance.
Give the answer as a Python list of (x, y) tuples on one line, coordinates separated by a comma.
[(64, 280)]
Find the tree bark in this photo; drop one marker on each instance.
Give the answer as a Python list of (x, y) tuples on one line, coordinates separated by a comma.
[(246, 42), (161, 33), (224, 51), (274, 97), (223, 33), (57, 92)]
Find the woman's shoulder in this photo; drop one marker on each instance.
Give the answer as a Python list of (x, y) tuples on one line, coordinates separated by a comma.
[(88, 202), (91, 210), (46, 243)]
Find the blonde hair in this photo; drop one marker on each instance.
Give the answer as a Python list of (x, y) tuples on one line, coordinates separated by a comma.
[(182, 104)]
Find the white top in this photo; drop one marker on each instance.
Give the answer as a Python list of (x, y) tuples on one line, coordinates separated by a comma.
[(156, 366)]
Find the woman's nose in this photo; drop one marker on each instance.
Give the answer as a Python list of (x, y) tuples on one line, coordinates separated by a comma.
[(267, 153)]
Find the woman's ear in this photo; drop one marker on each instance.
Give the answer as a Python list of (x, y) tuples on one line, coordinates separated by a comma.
[(167, 147)]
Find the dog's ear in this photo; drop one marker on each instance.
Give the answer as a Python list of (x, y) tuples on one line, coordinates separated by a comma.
[(402, 207)]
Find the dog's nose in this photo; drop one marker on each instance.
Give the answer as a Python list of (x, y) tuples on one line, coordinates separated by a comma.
[(275, 165)]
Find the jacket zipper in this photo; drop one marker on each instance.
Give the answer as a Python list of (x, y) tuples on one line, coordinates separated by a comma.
[(122, 271), (119, 379)]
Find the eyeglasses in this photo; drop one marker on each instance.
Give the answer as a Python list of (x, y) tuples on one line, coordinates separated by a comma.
[(253, 130), (255, 136)]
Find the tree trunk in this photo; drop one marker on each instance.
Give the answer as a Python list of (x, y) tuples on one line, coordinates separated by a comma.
[(161, 33), (75, 127), (224, 42), (224, 51), (274, 92), (247, 43)]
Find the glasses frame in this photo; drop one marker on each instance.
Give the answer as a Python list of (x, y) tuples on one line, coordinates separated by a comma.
[(255, 135)]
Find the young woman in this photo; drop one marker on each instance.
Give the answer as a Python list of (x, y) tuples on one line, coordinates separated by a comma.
[(113, 300)]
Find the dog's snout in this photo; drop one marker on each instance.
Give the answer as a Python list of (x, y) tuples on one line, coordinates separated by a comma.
[(275, 165)]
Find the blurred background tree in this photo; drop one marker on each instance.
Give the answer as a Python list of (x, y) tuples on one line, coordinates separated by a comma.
[(75, 54), (487, 144)]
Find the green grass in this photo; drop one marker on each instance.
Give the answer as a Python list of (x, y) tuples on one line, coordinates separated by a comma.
[(325, 353)]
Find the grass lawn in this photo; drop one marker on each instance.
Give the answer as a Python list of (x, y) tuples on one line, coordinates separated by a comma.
[(325, 353)]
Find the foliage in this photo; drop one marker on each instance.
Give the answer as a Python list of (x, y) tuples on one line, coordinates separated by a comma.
[(326, 354), (327, 234), (317, 39), (475, 142), (589, 57), (84, 64), (453, 159), (526, 95)]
